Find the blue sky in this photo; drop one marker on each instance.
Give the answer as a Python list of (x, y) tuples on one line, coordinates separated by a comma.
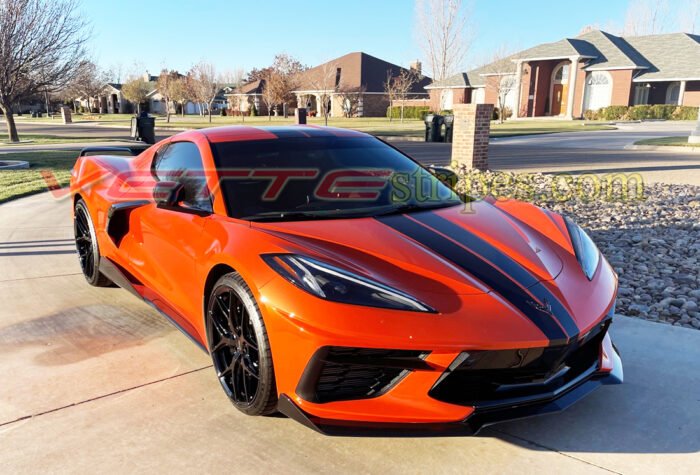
[(232, 34)]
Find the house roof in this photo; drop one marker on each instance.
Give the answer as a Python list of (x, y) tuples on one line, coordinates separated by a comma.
[(667, 57), (355, 70), (672, 56), (252, 87)]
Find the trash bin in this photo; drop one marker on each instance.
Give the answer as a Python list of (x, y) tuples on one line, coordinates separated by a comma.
[(449, 127), (143, 128), (433, 122)]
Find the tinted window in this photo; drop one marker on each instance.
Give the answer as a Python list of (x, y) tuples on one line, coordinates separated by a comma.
[(322, 177), (182, 163)]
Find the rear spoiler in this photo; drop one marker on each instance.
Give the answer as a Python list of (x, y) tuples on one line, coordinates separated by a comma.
[(131, 150)]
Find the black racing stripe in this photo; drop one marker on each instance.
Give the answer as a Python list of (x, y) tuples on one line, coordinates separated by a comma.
[(509, 266), (489, 275)]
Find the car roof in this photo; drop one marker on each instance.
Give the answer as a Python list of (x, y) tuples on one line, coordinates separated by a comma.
[(234, 133)]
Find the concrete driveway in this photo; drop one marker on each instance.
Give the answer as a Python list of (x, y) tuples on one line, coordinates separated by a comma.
[(94, 378)]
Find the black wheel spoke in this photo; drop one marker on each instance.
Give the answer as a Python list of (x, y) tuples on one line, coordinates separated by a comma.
[(233, 345)]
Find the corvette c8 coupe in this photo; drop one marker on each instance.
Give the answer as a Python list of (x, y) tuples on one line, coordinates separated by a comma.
[(334, 279)]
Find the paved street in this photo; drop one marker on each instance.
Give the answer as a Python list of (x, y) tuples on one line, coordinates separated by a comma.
[(93, 377)]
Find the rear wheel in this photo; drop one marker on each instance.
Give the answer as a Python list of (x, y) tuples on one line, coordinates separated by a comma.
[(86, 245), (240, 348)]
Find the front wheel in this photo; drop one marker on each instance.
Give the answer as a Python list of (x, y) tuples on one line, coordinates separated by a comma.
[(240, 348)]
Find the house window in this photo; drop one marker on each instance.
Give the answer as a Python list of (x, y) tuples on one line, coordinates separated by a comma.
[(561, 75), (598, 92), (641, 94), (672, 93)]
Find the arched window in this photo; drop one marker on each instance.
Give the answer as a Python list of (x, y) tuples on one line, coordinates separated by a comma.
[(672, 93), (561, 74)]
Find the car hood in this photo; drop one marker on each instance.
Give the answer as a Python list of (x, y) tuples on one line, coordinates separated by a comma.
[(447, 250)]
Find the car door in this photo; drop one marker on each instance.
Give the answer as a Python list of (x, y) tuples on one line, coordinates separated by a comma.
[(167, 240)]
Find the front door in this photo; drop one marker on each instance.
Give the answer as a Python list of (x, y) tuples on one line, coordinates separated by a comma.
[(169, 241), (557, 97)]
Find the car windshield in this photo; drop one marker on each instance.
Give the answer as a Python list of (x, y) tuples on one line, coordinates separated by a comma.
[(322, 178)]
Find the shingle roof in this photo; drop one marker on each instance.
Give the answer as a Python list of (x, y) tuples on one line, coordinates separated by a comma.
[(656, 57), (559, 49), (356, 70), (671, 56)]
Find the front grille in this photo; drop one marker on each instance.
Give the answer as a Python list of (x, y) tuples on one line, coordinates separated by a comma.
[(490, 378), (343, 373)]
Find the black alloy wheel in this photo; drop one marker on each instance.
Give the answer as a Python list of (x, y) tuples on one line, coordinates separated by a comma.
[(239, 347), (86, 245)]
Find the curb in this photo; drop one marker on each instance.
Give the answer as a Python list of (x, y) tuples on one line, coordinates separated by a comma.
[(664, 148), (13, 165)]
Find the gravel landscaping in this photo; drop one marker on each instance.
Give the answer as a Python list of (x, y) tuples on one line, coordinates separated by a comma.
[(653, 243)]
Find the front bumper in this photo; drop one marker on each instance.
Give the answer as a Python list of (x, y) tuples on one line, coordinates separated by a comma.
[(607, 371)]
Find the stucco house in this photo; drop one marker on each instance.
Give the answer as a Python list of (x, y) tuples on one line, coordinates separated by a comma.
[(594, 70), (356, 71)]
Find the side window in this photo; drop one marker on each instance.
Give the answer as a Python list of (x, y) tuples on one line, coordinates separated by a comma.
[(182, 163)]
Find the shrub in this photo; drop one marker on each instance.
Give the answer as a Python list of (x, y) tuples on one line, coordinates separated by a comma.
[(590, 114), (446, 112), (409, 112), (496, 115), (612, 112), (685, 113)]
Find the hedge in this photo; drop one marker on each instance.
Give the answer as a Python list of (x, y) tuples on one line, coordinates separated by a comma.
[(643, 112), (409, 112)]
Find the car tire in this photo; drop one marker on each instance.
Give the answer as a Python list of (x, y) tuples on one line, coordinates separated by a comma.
[(87, 247), (240, 349)]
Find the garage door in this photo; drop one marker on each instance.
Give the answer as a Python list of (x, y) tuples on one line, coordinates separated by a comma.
[(598, 90)]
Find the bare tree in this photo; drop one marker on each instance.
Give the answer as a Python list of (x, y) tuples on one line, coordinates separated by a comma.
[(689, 16), (178, 93), (87, 84), (237, 98), (41, 41), (350, 98), (403, 84), (501, 74), (443, 34), (167, 86), (323, 81), (274, 91), (206, 84), (647, 17), (390, 90), (136, 90)]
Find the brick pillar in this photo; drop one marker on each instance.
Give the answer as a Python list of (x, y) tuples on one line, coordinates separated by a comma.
[(470, 140)]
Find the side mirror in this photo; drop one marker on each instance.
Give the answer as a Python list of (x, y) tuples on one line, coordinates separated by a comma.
[(168, 193), (446, 176)]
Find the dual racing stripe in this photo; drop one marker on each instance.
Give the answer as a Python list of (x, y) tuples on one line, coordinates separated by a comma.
[(491, 266)]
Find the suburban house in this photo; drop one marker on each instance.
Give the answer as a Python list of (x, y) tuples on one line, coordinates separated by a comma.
[(242, 100), (355, 74), (568, 77)]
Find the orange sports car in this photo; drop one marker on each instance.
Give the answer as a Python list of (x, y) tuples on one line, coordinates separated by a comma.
[(334, 279)]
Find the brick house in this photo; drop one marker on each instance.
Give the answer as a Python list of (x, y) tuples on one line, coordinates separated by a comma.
[(358, 72), (246, 97), (568, 77)]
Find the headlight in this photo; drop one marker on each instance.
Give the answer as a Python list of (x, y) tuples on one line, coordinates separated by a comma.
[(332, 283), (586, 251)]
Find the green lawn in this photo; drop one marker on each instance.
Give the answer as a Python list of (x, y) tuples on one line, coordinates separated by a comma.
[(672, 141), (17, 183), (28, 139)]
